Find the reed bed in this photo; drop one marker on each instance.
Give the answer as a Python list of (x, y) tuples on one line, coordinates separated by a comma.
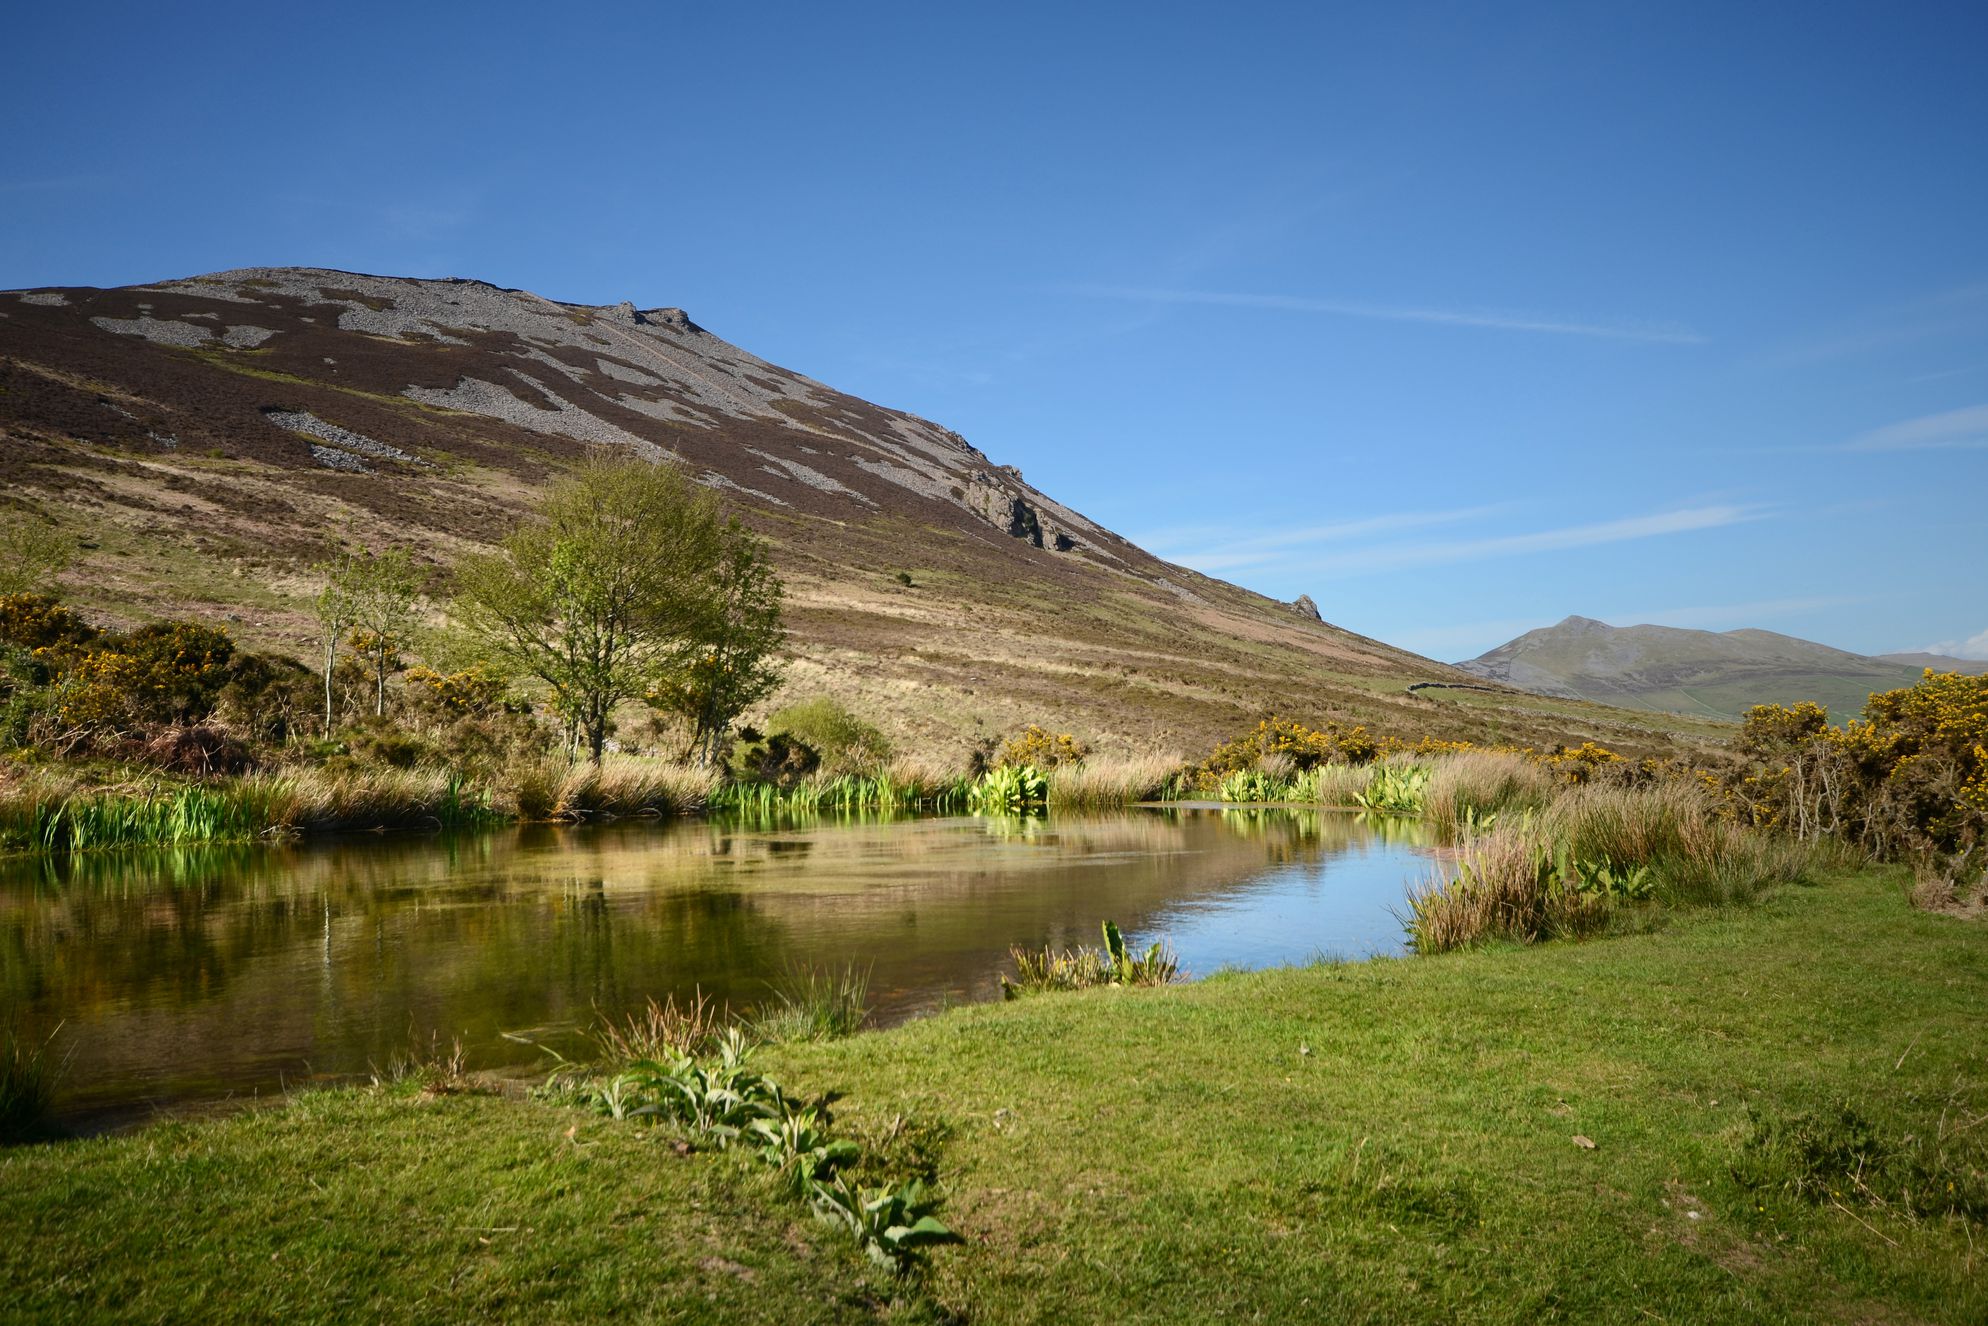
[(43, 813), (1564, 871), (900, 788), (1471, 791), (1102, 783), (624, 785)]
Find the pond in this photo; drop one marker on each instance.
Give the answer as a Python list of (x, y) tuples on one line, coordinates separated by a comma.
[(196, 975)]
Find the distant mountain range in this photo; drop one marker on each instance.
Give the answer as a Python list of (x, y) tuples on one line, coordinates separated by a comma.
[(1708, 673)]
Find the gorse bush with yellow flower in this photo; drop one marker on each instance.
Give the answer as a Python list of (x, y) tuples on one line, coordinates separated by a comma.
[(1908, 780)]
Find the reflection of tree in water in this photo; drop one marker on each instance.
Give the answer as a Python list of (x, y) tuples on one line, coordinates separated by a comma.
[(240, 965)]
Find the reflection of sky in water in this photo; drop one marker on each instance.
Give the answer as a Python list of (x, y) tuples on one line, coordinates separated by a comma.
[(189, 975), (1338, 906)]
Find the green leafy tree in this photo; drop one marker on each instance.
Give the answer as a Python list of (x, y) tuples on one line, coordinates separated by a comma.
[(32, 553), (606, 595), (738, 630), (335, 611), (385, 598)]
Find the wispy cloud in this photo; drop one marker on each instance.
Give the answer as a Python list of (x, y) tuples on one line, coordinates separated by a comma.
[(1213, 548), (1967, 427), (1960, 310), (1975, 646), (1484, 318), (1214, 551), (1404, 556)]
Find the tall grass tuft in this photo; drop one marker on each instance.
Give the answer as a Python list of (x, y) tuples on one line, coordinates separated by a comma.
[(662, 1032), (898, 789), (816, 1004), (1331, 785), (1470, 792), (1503, 889), (624, 785), (28, 1072), (1100, 783)]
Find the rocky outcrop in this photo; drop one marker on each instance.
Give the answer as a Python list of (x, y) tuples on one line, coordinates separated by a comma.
[(1304, 607)]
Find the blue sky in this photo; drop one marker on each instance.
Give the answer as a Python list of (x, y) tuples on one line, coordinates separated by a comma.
[(1459, 318)]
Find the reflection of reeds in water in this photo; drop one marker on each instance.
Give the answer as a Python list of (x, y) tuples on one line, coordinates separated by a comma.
[(28, 1071)]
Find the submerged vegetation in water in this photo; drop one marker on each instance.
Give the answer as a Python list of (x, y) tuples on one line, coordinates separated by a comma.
[(29, 1067)]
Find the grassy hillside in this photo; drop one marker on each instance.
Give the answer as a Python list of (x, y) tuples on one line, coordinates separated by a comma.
[(1783, 1106), (207, 441)]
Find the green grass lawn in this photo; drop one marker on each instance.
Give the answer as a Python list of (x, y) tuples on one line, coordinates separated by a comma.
[(1385, 1141)]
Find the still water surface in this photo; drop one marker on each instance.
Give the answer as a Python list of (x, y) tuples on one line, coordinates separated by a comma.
[(196, 975)]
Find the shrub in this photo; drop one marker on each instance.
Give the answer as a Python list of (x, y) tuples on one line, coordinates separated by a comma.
[(201, 749), (41, 621), (844, 743), (1037, 747)]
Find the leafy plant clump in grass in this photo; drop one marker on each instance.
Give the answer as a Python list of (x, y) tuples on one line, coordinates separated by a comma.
[(722, 1102), (1038, 971), (1394, 789), (816, 1004)]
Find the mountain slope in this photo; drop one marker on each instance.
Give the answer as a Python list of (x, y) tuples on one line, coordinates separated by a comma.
[(1670, 669), (208, 439), (1972, 667)]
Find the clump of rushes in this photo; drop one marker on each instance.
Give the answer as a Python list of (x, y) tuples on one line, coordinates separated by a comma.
[(816, 1004), (1038, 971), (622, 785), (1471, 791), (1096, 783), (1502, 890), (662, 1031)]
